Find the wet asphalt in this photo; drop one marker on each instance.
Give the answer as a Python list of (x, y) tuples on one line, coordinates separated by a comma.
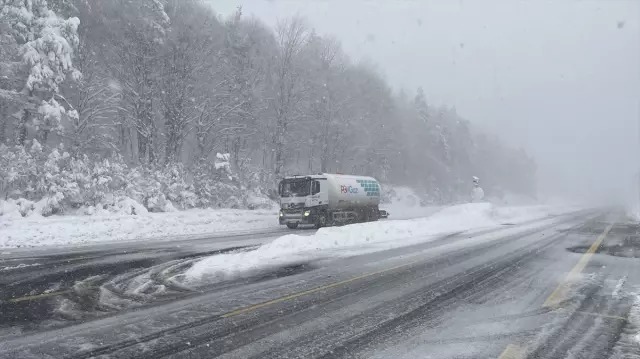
[(463, 295)]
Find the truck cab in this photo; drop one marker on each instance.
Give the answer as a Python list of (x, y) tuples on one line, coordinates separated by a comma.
[(302, 200)]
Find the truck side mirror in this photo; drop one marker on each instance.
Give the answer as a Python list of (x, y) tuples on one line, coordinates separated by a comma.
[(315, 188)]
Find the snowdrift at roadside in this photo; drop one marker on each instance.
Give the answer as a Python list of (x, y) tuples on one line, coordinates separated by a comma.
[(18, 231), (23, 225), (405, 203), (361, 238)]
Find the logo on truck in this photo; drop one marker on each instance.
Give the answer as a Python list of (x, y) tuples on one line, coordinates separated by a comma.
[(371, 188), (348, 189)]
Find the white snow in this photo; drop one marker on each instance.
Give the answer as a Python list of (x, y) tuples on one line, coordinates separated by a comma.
[(406, 204), (477, 194), (22, 223), (616, 291), (19, 266), (362, 238), (18, 231), (628, 344), (633, 212), (634, 318)]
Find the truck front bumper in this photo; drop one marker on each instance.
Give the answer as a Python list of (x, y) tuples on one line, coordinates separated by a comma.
[(304, 216)]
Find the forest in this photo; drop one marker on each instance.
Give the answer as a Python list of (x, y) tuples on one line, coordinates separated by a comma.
[(168, 104)]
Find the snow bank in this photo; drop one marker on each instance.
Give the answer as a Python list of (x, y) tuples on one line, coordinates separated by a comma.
[(18, 231), (633, 212), (405, 203), (361, 238), (513, 199), (635, 318), (628, 344), (14, 209)]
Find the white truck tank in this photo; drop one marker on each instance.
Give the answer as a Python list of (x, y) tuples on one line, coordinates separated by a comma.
[(347, 191)]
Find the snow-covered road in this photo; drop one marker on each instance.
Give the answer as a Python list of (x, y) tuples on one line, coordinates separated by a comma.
[(416, 288), (355, 239)]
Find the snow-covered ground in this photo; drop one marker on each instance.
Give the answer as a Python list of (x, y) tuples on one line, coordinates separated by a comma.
[(405, 204), (119, 225), (634, 316), (634, 320), (364, 238), (63, 230), (105, 226), (633, 212), (628, 344)]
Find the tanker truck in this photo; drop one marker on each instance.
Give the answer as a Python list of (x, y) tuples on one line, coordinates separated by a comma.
[(328, 199)]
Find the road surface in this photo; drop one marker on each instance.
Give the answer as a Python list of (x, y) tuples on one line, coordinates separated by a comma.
[(560, 287)]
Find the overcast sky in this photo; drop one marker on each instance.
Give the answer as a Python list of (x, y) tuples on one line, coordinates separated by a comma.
[(559, 78)]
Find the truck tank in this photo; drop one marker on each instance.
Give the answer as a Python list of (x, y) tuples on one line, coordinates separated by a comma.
[(347, 191)]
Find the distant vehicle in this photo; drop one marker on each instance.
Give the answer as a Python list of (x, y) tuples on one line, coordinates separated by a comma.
[(329, 199)]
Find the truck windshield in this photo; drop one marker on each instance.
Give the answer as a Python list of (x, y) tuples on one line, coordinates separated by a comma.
[(295, 188)]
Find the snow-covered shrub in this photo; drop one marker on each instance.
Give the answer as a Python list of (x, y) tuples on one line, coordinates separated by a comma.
[(144, 188), (259, 182), (220, 185), (37, 176), (51, 180), (176, 188), (50, 117), (213, 193), (257, 199), (16, 208), (161, 190), (223, 164), (128, 205), (16, 166), (48, 181), (106, 182), (215, 184), (57, 181)]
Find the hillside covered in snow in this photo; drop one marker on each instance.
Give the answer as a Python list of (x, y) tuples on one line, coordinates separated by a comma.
[(162, 105)]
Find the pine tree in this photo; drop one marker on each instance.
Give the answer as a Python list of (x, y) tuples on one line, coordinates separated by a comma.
[(46, 44)]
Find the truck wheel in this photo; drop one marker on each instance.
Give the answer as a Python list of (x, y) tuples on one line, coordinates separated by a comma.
[(292, 225), (374, 215)]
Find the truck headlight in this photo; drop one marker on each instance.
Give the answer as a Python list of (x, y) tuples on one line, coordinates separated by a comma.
[(281, 214), (307, 213)]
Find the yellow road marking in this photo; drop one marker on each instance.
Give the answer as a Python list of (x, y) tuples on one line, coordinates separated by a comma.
[(513, 351), (310, 291), (38, 296), (559, 294)]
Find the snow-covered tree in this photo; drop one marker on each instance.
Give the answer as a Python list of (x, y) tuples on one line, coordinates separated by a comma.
[(166, 85), (291, 36), (328, 99), (136, 31), (189, 64), (95, 96), (46, 44)]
